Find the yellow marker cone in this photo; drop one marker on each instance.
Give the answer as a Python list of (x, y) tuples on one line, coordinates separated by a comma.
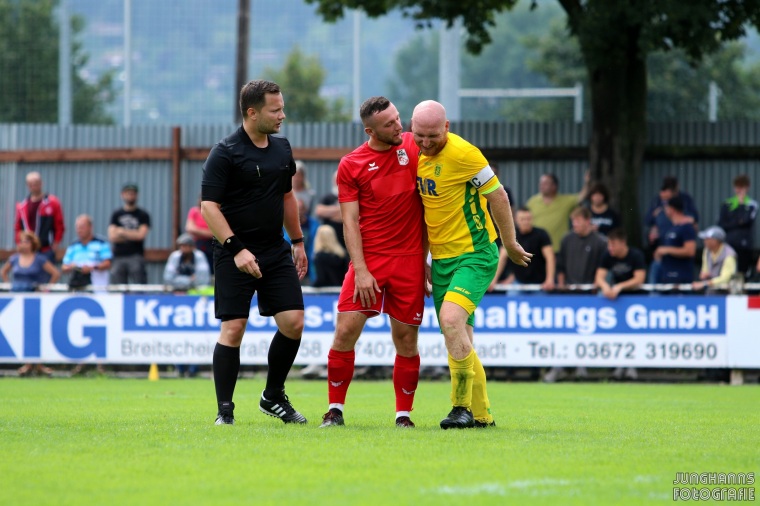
[(153, 372)]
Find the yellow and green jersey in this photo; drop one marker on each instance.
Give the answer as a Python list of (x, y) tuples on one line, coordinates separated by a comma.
[(452, 185)]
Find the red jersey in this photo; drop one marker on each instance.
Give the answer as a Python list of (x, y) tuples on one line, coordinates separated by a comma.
[(385, 185)]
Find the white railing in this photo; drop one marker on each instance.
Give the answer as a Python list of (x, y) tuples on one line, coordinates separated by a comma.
[(150, 288), (576, 93), (735, 288)]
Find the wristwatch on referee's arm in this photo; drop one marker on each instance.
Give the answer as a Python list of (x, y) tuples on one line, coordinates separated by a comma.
[(293, 242)]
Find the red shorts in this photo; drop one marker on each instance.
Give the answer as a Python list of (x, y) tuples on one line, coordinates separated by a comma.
[(402, 284)]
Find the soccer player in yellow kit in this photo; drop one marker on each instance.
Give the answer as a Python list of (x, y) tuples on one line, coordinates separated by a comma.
[(457, 184)]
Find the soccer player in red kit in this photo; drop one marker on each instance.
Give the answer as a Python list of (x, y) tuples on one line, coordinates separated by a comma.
[(383, 225)]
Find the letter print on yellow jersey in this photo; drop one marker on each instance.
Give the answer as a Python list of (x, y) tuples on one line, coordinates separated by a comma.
[(452, 185)]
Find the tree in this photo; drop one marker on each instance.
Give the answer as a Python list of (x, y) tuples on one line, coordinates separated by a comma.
[(677, 86), (538, 51), (411, 82), (89, 100), (615, 39), (503, 63), (300, 78), (29, 67)]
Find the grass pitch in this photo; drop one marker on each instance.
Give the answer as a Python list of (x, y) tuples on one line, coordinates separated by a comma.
[(128, 441)]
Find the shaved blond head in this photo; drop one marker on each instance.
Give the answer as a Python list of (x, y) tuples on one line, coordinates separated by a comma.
[(430, 127), (429, 113)]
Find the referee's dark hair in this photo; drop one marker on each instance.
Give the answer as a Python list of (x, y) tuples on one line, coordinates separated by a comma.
[(372, 106), (253, 94)]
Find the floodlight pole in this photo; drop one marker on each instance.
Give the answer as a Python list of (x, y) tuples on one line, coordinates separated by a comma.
[(712, 102), (127, 62), (449, 68), (357, 65), (241, 59), (64, 65)]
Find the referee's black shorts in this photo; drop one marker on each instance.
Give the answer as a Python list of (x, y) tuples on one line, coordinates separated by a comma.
[(278, 288)]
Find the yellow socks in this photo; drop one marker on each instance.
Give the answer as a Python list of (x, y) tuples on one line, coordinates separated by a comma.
[(481, 406), (462, 376)]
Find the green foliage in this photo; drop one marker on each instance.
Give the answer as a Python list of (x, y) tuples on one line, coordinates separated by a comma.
[(415, 78), (677, 87), (29, 41), (478, 17), (535, 50), (606, 37), (502, 64), (301, 78), (606, 29), (132, 441), (699, 26), (28, 61)]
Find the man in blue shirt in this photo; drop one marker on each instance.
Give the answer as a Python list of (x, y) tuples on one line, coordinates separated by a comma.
[(678, 246), (657, 222), (88, 260)]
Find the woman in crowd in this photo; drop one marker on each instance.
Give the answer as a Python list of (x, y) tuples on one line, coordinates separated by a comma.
[(330, 259), (603, 218), (25, 270)]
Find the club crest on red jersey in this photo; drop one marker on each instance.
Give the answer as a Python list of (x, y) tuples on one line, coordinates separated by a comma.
[(403, 158)]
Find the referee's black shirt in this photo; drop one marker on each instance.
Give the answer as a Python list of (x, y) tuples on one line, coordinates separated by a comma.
[(249, 183)]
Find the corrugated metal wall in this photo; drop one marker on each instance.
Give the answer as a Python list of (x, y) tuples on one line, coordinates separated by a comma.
[(726, 133), (522, 135), (94, 188)]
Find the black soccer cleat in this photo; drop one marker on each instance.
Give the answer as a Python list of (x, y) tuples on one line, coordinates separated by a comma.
[(332, 418), (459, 418), (404, 422), (225, 415), (281, 408), (478, 424)]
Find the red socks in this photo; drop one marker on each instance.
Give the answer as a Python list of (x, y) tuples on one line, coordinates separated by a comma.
[(406, 374), (340, 370)]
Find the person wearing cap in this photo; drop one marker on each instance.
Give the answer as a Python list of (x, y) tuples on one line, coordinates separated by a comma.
[(127, 231), (678, 246), (718, 261), (187, 267)]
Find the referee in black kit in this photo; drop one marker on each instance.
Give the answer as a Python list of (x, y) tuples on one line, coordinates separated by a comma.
[(246, 198)]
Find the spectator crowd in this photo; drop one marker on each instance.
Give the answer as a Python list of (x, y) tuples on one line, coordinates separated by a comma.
[(577, 241)]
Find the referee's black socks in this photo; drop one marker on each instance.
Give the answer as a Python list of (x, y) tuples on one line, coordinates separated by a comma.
[(282, 354), (226, 368)]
